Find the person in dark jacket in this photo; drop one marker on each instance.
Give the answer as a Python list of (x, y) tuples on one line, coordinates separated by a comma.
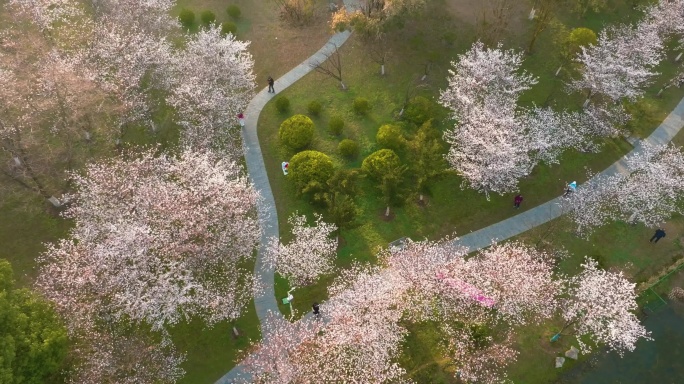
[(316, 309), (659, 234), (270, 85)]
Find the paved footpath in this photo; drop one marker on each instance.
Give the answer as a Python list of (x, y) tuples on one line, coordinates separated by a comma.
[(265, 300), (550, 210)]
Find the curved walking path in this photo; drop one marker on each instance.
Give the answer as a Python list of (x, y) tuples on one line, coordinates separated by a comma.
[(265, 300), (550, 210)]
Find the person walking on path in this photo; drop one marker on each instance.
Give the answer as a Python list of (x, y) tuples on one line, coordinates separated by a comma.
[(659, 234), (516, 202), (270, 85), (570, 188), (316, 309)]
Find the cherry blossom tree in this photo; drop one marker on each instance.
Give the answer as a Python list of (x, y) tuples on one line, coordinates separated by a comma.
[(50, 110), (358, 340), (311, 252), (648, 191), (487, 147), (156, 240), (621, 65), (516, 281), (129, 357), (478, 358), (212, 83), (600, 304)]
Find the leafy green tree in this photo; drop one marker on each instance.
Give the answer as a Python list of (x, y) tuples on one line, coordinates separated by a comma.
[(582, 6), (339, 198), (33, 341), (578, 38), (297, 131), (310, 171), (390, 136), (427, 157), (385, 167)]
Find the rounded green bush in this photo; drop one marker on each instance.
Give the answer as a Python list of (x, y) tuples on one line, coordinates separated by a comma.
[(186, 18), (207, 17), (310, 171), (296, 132), (380, 162), (282, 104), (234, 11), (390, 136), (228, 27), (336, 125), (314, 108), (348, 148), (418, 110), (361, 106)]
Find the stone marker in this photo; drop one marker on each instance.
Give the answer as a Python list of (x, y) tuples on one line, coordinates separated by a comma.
[(87, 136), (560, 361), (55, 201), (236, 333), (572, 353), (558, 70), (17, 162)]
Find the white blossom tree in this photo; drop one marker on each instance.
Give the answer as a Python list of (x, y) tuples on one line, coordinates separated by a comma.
[(601, 304), (488, 147), (358, 340), (156, 240), (212, 83), (621, 65), (648, 191), (478, 359), (311, 252)]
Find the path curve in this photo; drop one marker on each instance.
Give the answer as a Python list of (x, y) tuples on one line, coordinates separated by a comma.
[(265, 300), (550, 210)]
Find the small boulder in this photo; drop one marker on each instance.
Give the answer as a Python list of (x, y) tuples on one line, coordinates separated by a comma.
[(572, 353), (560, 361)]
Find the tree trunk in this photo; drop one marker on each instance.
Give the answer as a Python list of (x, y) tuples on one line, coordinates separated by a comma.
[(344, 87), (558, 71), (387, 211), (421, 197), (401, 113)]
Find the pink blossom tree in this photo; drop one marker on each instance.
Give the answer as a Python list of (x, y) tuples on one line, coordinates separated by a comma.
[(311, 252), (156, 240), (478, 359), (601, 305), (357, 341), (487, 147), (648, 191), (212, 83)]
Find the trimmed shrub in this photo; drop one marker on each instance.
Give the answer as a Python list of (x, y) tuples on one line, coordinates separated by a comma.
[(418, 110), (207, 17), (282, 104), (390, 136), (296, 132), (233, 11), (336, 125), (310, 171), (361, 106), (348, 148), (314, 108), (187, 18), (380, 163), (228, 27)]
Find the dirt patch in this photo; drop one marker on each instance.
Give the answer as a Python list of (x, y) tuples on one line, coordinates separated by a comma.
[(276, 46), (471, 11), (390, 217)]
